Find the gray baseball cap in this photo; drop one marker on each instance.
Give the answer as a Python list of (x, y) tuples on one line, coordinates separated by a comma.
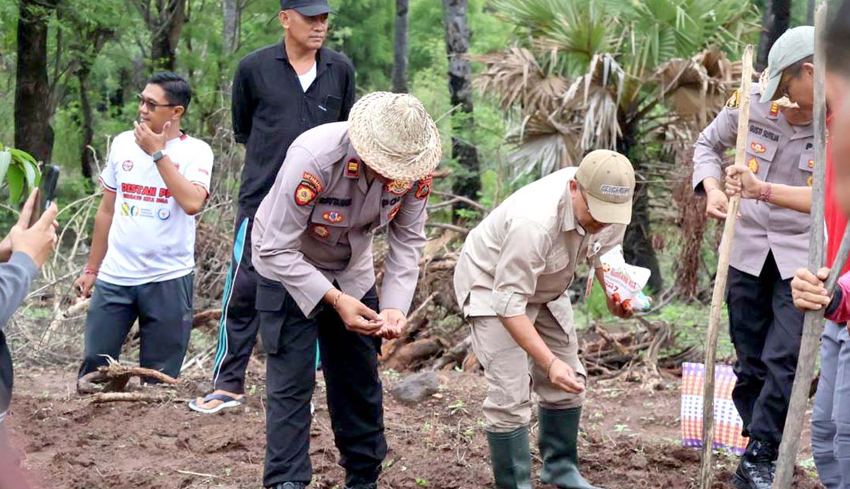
[(307, 8), (792, 46)]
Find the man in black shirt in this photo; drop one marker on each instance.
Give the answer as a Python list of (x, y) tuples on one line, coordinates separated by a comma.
[(279, 92)]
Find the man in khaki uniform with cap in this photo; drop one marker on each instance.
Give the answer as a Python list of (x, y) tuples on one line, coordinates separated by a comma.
[(771, 243), (511, 281), (312, 240)]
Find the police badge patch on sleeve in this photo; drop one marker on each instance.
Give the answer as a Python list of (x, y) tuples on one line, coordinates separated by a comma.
[(305, 193), (308, 189), (424, 187)]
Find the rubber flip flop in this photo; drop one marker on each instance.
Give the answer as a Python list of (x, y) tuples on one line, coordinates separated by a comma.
[(227, 402)]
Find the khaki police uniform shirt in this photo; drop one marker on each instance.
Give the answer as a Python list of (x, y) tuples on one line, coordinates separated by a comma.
[(317, 223), (523, 255), (777, 152)]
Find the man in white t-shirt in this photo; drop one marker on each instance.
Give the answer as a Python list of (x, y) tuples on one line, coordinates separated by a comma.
[(142, 255)]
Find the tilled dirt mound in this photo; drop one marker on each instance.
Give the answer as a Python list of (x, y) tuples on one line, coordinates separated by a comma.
[(629, 439)]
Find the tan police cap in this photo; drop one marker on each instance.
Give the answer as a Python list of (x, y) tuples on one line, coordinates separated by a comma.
[(609, 180)]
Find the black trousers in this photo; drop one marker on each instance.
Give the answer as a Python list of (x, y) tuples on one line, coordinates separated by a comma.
[(354, 392), (239, 323), (164, 310), (766, 330)]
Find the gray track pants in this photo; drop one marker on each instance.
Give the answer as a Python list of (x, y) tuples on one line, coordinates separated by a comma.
[(831, 414)]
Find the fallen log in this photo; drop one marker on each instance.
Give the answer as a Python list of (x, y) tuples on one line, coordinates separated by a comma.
[(104, 397), (456, 355), (203, 317), (413, 354), (116, 377)]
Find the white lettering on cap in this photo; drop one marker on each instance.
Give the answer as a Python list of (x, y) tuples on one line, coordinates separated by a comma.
[(614, 190)]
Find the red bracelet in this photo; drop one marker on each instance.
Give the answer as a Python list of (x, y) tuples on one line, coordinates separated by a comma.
[(90, 271), (764, 195)]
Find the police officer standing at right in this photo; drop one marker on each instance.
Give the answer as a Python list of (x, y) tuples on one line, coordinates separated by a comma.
[(770, 244)]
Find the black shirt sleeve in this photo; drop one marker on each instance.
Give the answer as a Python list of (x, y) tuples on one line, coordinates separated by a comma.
[(835, 302), (348, 98), (242, 104)]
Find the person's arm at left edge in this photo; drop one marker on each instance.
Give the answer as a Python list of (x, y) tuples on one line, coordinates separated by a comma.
[(190, 196), (401, 267)]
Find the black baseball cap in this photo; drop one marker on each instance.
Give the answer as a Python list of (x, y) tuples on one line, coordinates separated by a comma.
[(308, 8)]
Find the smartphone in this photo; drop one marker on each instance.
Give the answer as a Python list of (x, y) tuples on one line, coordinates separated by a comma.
[(46, 191)]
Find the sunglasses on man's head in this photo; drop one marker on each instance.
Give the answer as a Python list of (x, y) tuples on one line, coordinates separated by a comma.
[(150, 104)]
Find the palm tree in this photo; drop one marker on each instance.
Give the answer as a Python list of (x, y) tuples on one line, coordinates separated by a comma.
[(637, 76)]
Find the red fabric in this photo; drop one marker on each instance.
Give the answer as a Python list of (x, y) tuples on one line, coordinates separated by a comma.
[(836, 221)]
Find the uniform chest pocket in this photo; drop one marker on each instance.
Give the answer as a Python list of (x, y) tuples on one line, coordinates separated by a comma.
[(388, 213), (332, 106), (760, 153), (807, 162), (806, 167), (557, 260), (328, 224)]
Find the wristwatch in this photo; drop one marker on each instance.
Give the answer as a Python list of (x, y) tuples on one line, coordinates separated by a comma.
[(159, 155)]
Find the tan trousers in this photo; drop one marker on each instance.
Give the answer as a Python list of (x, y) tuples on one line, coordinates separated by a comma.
[(512, 375)]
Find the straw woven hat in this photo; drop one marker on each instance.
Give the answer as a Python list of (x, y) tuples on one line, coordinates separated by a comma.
[(394, 135)]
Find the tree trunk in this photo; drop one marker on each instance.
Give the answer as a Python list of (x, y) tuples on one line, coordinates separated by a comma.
[(637, 244), (810, 13), (468, 180), (775, 21), (230, 32), (84, 55), (400, 57), (691, 222), (88, 126), (33, 132), (165, 32)]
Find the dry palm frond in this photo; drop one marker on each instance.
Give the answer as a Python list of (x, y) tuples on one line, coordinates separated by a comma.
[(603, 88), (517, 80), (697, 86), (546, 150)]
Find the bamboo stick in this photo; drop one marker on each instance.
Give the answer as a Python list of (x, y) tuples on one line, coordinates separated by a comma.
[(813, 323), (717, 298)]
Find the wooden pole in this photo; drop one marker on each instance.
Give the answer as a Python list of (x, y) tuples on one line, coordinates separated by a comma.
[(717, 298), (813, 323)]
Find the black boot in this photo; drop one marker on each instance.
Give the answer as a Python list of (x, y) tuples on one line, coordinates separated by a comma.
[(373, 485), (510, 456), (559, 448), (757, 467), (288, 485)]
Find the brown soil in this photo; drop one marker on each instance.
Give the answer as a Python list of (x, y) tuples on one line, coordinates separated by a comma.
[(630, 439)]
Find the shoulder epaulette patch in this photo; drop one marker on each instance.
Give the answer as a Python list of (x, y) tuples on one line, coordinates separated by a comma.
[(774, 109), (734, 101), (352, 168)]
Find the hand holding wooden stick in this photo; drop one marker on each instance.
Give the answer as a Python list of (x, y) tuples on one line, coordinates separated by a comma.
[(717, 297)]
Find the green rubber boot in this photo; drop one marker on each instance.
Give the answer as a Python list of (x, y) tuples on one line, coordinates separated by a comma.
[(510, 456), (559, 448)]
